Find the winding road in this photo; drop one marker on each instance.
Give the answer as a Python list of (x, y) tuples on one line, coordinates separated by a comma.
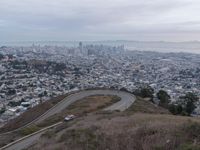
[(126, 100)]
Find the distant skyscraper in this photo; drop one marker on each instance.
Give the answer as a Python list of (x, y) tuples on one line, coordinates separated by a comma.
[(81, 49), (81, 46)]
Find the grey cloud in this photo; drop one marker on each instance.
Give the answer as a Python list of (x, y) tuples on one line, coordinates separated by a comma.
[(97, 19)]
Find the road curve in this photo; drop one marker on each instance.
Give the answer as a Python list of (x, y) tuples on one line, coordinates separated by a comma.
[(126, 100)]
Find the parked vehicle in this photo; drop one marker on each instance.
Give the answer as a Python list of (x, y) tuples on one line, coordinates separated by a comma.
[(69, 117)]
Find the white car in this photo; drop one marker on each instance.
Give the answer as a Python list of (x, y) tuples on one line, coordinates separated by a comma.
[(69, 117)]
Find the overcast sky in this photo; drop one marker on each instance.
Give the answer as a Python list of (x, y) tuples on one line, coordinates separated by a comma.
[(149, 20)]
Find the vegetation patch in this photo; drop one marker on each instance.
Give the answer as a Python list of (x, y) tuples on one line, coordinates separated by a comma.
[(50, 121), (85, 139), (185, 105), (192, 129), (144, 106), (82, 107), (189, 147), (139, 131), (91, 104), (29, 130)]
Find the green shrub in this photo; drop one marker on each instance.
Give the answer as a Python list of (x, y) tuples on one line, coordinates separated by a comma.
[(176, 109), (189, 147), (29, 130), (193, 129)]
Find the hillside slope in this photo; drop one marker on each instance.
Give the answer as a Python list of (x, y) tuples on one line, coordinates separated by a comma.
[(153, 128)]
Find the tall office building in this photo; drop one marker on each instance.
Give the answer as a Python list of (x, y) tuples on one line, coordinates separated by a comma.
[(81, 46)]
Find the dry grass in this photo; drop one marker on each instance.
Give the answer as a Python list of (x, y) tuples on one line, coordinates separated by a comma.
[(138, 132), (82, 107), (145, 106), (29, 130), (8, 139), (142, 127), (90, 104), (79, 108)]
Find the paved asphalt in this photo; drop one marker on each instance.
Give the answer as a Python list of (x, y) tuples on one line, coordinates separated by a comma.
[(126, 100)]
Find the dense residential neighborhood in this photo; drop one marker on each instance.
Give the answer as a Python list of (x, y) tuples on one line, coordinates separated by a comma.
[(33, 74)]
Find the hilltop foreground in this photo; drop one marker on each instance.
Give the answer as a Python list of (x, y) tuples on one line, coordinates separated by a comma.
[(138, 132), (142, 127)]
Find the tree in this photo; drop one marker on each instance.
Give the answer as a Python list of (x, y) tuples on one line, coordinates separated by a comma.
[(124, 89), (40, 95), (59, 67), (145, 91), (10, 56), (185, 106), (164, 98), (14, 103), (2, 110), (1, 56), (189, 102), (11, 92), (175, 109), (45, 93)]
